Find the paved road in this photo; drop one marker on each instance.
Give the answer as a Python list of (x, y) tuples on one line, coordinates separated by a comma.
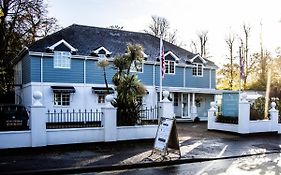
[(269, 164)]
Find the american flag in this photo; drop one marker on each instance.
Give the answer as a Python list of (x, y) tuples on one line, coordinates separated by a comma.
[(162, 58)]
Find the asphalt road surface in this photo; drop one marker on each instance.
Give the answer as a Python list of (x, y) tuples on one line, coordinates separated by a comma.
[(266, 164)]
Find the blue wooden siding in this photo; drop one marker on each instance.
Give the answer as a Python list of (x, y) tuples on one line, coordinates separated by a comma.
[(147, 76), (26, 71), (174, 80), (73, 75), (197, 82), (36, 69), (170, 80), (94, 74), (213, 76)]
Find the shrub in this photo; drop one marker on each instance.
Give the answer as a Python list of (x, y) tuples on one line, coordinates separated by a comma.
[(257, 109)]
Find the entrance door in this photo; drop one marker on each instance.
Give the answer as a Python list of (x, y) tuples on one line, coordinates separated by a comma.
[(177, 104)]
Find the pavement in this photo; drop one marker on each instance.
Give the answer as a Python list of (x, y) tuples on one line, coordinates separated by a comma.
[(197, 144)]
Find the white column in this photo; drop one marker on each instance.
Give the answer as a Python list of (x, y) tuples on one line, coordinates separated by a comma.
[(244, 115), (181, 105), (109, 120), (193, 99), (188, 105), (212, 116), (193, 108), (38, 119), (274, 117), (166, 107)]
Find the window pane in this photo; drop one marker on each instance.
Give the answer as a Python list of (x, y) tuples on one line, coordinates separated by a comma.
[(167, 66), (194, 70), (172, 67), (62, 59), (61, 99), (200, 70), (101, 99)]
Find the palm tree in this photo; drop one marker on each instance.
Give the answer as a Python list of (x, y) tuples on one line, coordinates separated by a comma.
[(128, 86), (103, 63)]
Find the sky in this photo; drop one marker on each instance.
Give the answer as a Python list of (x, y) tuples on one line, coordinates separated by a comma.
[(189, 17)]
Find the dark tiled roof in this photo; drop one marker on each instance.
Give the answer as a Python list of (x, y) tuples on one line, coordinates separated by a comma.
[(87, 38)]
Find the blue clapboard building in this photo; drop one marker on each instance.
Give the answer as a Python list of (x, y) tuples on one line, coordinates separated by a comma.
[(63, 66)]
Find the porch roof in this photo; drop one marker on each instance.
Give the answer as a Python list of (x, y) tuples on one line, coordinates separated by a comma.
[(193, 90)]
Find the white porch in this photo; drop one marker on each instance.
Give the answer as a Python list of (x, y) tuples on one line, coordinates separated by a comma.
[(190, 103)]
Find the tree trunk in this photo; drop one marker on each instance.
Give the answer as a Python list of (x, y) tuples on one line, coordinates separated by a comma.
[(105, 80)]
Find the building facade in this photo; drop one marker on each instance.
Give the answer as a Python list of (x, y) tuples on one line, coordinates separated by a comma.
[(63, 66)]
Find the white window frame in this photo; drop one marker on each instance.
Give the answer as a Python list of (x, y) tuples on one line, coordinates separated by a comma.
[(59, 101), (195, 70), (133, 67), (62, 59), (168, 67)]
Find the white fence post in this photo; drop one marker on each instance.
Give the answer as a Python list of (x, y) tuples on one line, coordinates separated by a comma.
[(212, 116), (38, 121), (109, 120), (274, 117), (244, 115), (166, 106)]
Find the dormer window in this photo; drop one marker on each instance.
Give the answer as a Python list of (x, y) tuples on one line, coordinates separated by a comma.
[(62, 45), (136, 66), (197, 70), (170, 62), (62, 59), (101, 52)]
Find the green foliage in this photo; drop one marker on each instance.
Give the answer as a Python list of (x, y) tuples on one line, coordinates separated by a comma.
[(224, 80), (226, 119), (257, 109), (128, 86)]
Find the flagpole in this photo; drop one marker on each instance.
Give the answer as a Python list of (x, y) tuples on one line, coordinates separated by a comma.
[(160, 68), (240, 81)]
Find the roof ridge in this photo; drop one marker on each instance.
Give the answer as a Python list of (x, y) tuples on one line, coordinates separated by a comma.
[(105, 28)]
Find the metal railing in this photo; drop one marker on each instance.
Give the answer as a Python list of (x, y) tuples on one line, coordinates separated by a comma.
[(149, 116), (73, 119)]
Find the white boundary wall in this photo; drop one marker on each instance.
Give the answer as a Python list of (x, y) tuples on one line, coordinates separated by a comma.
[(245, 126), (40, 136)]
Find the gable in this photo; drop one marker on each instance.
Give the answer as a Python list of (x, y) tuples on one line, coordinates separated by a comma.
[(197, 60), (100, 50), (171, 56), (62, 45)]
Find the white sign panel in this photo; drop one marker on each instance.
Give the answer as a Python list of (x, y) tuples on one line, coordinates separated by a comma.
[(162, 135)]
